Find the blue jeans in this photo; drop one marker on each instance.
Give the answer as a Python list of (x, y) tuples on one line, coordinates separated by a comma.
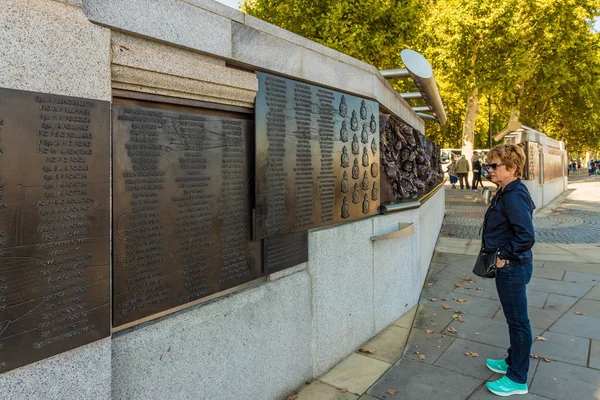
[(511, 283)]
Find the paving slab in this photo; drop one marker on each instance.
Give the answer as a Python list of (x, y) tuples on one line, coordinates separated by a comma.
[(317, 390), (537, 264), (590, 308), (578, 325), (356, 373), (593, 294), (431, 345), (561, 258), (487, 286), (388, 344), (484, 394), (449, 258), (473, 306), (538, 317), (406, 320), (455, 359), (565, 381), (485, 330), (549, 273), (595, 354), (414, 380), (559, 287), (533, 364), (436, 267), (560, 302), (434, 318), (580, 277), (590, 268), (560, 347), (367, 397), (536, 299)]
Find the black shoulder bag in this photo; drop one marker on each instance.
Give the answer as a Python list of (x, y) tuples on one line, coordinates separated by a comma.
[(485, 266)]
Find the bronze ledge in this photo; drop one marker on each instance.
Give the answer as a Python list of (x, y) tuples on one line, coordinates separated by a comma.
[(409, 205)]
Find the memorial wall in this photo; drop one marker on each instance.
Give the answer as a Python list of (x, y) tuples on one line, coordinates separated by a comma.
[(203, 200), (54, 225)]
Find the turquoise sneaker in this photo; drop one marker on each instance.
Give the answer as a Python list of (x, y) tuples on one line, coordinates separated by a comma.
[(506, 387), (499, 366)]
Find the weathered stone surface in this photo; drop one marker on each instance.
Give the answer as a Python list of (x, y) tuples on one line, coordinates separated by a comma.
[(174, 21), (317, 390), (559, 302), (559, 287), (388, 345), (578, 325), (559, 347), (356, 373), (431, 345), (261, 336), (416, 380), (595, 354), (406, 320), (548, 273), (75, 52), (455, 359), (565, 381), (87, 369), (593, 294), (538, 318), (434, 318)]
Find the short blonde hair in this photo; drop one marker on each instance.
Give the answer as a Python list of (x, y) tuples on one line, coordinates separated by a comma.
[(510, 155)]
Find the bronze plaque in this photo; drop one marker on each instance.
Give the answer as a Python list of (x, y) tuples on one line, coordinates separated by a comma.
[(285, 251), (554, 165), (317, 157), (182, 206), (54, 225), (532, 164), (410, 163)]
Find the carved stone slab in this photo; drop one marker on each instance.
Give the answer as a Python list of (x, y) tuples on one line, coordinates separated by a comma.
[(182, 206), (54, 225), (317, 157)]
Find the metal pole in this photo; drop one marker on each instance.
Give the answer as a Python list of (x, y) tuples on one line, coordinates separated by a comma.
[(490, 119)]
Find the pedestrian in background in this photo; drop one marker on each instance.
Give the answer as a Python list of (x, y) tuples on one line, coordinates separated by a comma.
[(462, 171), (452, 173), (508, 231), (476, 173)]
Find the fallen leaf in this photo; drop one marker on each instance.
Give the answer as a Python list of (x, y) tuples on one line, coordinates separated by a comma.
[(464, 274), (416, 346), (391, 391), (461, 300), (459, 312), (477, 333), (422, 357), (430, 283), (546, 359), (445, 299), (471, 354), (451, 330), (343, 390), (458, 285), (579, 313), (541, 338), (534, 356), (443, 336), (459, 319), (428, 331), (432, 299), (365, 350), (479, 289), (416, 352), (470, 280), (292, 397), (468, 288), (447, 306)]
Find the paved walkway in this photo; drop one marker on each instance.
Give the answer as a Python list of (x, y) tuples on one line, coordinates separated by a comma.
[(438, 350)]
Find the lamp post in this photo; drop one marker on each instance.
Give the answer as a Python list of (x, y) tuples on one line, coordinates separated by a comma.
[(490, 120)]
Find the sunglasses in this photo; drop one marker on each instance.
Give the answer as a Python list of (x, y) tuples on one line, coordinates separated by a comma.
[(493, 166)]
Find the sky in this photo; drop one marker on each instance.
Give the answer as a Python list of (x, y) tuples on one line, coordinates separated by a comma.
[(230, 3)]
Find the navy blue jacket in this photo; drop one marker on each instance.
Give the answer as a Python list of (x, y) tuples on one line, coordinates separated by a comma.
[(508, 224)]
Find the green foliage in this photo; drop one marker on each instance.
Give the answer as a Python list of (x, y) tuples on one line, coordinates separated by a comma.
[(541, 58)]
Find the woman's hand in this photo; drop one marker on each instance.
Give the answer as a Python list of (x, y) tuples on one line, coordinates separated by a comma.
[(499, 262)]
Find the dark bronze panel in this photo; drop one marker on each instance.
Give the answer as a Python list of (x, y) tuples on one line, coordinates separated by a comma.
[(54, 225), (285, 251), (410, 163), (554, 165), (182, 206), (532, 164), (317, 156)]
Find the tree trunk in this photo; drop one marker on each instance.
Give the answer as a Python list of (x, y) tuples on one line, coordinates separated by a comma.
[(514, 114), (468, 134)]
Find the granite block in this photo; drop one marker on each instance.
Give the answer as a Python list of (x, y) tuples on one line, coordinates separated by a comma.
[(317, 390), (579, 277), (220, 9), (388, 345), (254, 47), (288, 271), (261, 336), (416, 380), (406, 321), (578, 325), (430, 345), (81, 373), (595, 354), (590, 308), (434, 318), (559, 287), (548, 273), (559, 302), (340, 265), (593, 294), (51, 47), (558, 380), (559, 347), (356, 373), (173, 21), (395, 278), (455, 359)]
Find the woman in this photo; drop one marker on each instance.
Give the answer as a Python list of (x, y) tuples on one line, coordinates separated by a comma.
[(508, 230), (452, 173)]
